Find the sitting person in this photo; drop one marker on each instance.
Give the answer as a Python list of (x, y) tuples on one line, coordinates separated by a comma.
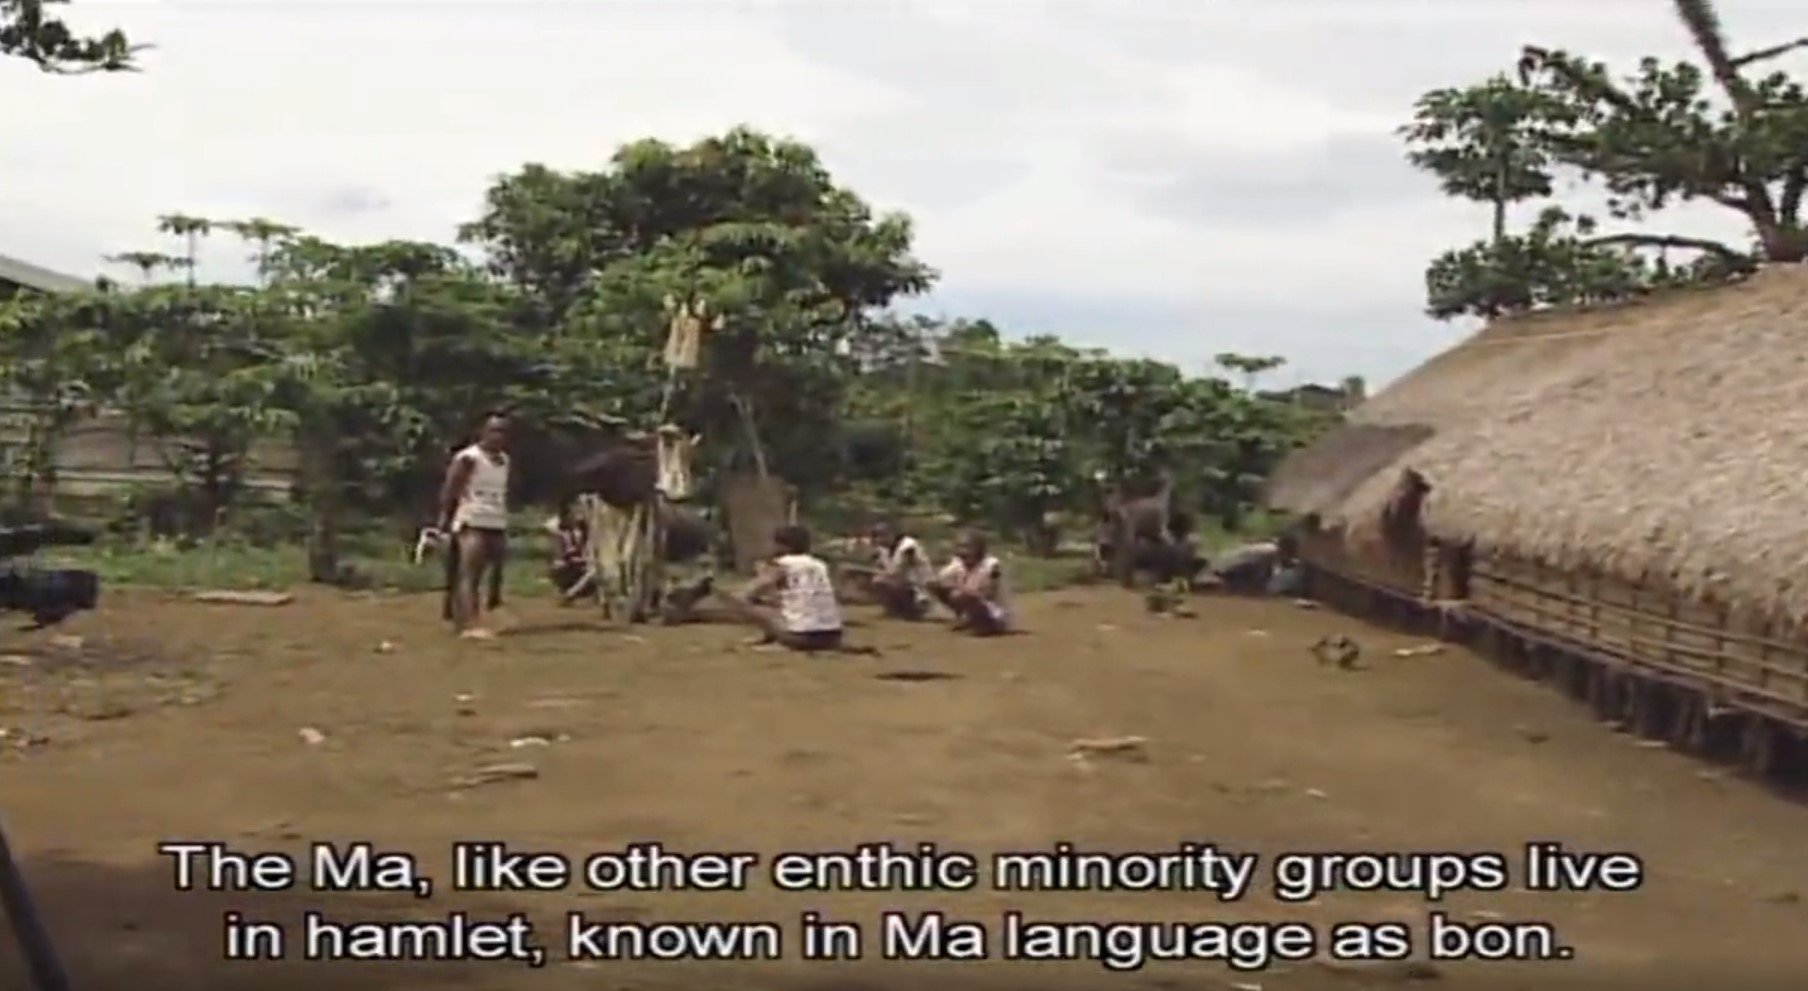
[(808, 615), (1249, 568), (973, 586), (1289, 576), (901, 583), (570, 565), (570, 568)]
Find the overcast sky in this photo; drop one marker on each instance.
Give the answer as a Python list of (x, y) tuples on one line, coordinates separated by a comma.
[(1174, 180)]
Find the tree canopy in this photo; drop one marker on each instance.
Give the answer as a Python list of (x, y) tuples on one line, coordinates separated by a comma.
[(368, 360), (30, 30), (1715, 129)]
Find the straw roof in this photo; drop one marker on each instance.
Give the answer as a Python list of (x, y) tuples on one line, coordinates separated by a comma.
[(1667, 437)]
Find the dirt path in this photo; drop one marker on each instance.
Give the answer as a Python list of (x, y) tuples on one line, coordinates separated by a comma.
[(185, 721)]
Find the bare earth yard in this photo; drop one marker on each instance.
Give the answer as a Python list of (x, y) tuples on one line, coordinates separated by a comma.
[(171, 719)]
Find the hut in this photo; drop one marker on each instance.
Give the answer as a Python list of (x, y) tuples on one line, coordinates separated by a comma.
[(1620, 491)]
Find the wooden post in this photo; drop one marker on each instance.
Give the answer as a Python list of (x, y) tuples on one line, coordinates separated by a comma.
[(1758, 747), (1688, 721)]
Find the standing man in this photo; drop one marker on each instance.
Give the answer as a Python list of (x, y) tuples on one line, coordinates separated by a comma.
[(473, 509)]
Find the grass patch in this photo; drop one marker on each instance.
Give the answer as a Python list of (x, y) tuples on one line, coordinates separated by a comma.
[(379, 558), (235, 564)]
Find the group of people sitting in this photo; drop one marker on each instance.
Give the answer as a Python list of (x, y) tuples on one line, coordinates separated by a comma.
[(795, 601)]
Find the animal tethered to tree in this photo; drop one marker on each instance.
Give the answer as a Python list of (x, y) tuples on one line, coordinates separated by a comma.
[(627, 544)]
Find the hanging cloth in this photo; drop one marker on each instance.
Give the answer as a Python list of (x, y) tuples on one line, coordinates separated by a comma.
[(684, 342)]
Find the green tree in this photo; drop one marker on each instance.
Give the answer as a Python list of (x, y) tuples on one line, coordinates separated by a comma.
[(752, 227), (1664, 134), (1489, 143), (1012, 462), (1681, 132), (386, 350), (1555, 262), (29, 31), (56, 359), (1251, 367), (193, 378)]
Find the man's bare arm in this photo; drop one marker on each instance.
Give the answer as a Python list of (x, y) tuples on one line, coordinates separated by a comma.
[(458, 477), (766, 578)]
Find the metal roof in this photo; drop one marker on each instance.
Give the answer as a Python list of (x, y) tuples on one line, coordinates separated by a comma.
[(42, 279)]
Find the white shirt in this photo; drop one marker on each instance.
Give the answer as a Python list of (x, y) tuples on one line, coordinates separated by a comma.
[(484, 504), (993, 587), (906, 560), (806, 596)]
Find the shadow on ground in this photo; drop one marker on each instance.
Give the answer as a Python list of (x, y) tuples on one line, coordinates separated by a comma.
[(126, 929)]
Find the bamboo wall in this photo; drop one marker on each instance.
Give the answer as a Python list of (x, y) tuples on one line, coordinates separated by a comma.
[(1734, 659)]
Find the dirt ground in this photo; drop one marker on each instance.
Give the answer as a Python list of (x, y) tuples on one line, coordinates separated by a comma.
[(342, 718)]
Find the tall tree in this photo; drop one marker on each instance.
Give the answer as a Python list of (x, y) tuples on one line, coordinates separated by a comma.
[(752, 226), (1664, 134), (1679, 132), (1488, 142), (29, 31)]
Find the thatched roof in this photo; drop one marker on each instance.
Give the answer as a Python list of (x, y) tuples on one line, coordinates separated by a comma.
[(1666, 437)]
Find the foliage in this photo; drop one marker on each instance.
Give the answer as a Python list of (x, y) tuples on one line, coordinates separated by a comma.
[(1666, 133), (1489, 143), (58, 364), (1557, 262), (368, 361), (753, 228), (28, 30), (1015, 436), (1662, 134)]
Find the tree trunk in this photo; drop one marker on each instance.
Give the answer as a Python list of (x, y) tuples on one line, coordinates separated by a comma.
[(1785, 243), (751, 435), (318, 446)]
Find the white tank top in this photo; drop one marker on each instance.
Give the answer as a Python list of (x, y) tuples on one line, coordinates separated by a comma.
[(484, 505), (806, 600)]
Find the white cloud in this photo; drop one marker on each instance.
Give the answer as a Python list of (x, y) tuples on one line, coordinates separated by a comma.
[(1089, 152)]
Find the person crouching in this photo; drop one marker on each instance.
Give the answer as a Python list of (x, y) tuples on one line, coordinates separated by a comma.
[(902, 582), (569, 569), (807, 616), (973, 586)]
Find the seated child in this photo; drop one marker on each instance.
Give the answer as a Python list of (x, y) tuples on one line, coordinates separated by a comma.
[(808, 615), (902, 582), (570, 567), (973, 586)]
